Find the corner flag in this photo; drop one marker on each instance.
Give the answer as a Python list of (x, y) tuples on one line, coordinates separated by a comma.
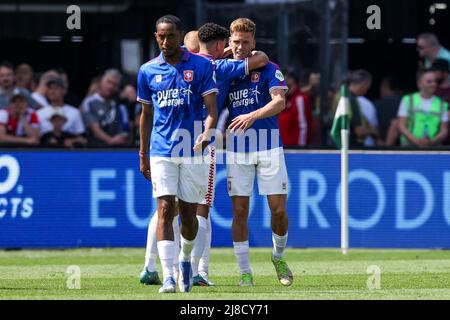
[(340, 135), (341, 117)]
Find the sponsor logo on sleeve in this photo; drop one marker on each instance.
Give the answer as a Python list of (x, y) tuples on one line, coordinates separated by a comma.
[(279, 75)]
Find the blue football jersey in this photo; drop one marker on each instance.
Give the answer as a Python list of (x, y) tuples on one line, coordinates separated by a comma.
[(248, 94), (226, 71), (176, 93)]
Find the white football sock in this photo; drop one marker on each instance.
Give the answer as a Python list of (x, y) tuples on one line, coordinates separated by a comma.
[(166, 248), (199, 246), (204, 261), (151, 251), (186, 249), (241, 252), (279, 245)]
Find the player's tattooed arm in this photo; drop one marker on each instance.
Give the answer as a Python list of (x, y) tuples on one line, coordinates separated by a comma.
[(145, 129), (203, 140), (257, 59), (274, 107)]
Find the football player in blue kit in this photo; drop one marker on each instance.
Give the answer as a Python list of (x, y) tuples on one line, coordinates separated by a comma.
[(172, 89), (254, 148)]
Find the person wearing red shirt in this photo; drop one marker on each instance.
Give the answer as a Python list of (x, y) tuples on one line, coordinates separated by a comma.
[(295, 121), (19, 124)]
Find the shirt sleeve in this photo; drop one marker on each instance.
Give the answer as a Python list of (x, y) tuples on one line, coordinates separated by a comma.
[(208, 84), (89, 117), (34, 120), (79, 127), (276, 78), (444, 117), (144, 93), (230, 69), (402, 110), (3, 117)]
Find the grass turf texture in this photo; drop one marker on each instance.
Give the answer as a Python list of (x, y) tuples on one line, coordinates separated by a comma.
[(318, 274)]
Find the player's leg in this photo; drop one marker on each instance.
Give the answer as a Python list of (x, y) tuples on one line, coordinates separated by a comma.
[(239, 231), (241, 174), (166, 243), (149, 275), (176, 238), (272, 181), (203, 267), (188, 233), (191, 190), (200, 244), (200, 253), (165, 177)]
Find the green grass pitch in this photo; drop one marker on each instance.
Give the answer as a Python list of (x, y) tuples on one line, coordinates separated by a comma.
[(318, 274)]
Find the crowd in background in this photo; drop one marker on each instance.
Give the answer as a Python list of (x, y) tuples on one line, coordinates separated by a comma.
[(40, 110)]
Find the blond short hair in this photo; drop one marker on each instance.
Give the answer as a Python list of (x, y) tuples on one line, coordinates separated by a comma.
[(243, 25)]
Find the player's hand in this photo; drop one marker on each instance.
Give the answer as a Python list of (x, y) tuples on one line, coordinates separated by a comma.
[(144, 166), (227, 52), (242, 122), (201, 143)]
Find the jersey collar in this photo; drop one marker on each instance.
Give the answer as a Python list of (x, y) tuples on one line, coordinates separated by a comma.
[(184, 58), (206, 55)]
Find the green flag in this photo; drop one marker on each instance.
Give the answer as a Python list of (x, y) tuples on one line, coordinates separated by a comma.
[(341, 117)]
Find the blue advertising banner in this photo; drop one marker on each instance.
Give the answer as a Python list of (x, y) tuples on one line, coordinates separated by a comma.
[(99, 199)]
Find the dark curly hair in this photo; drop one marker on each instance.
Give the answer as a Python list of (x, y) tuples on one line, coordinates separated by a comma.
[(170, 19), (212, 31)]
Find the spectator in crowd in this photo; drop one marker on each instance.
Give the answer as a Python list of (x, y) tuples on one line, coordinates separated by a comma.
[(430, 49), (387, 106), (40, 94), (56, 90), (360, 82), (58, 137), (128, 97), (312, 90), (7, 87), (19, 124), (295, 121), (70, 97), (25, 77), (423, 117), (441, 70), (360, 128), (107, 122), (93, 88)]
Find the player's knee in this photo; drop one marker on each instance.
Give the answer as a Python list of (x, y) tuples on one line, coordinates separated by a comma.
[(240, 212), (165, 212), (188, 219), (278, 213)]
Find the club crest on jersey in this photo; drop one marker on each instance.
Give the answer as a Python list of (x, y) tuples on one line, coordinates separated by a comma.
[(158, 78), (255, 76), (188, 75)]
